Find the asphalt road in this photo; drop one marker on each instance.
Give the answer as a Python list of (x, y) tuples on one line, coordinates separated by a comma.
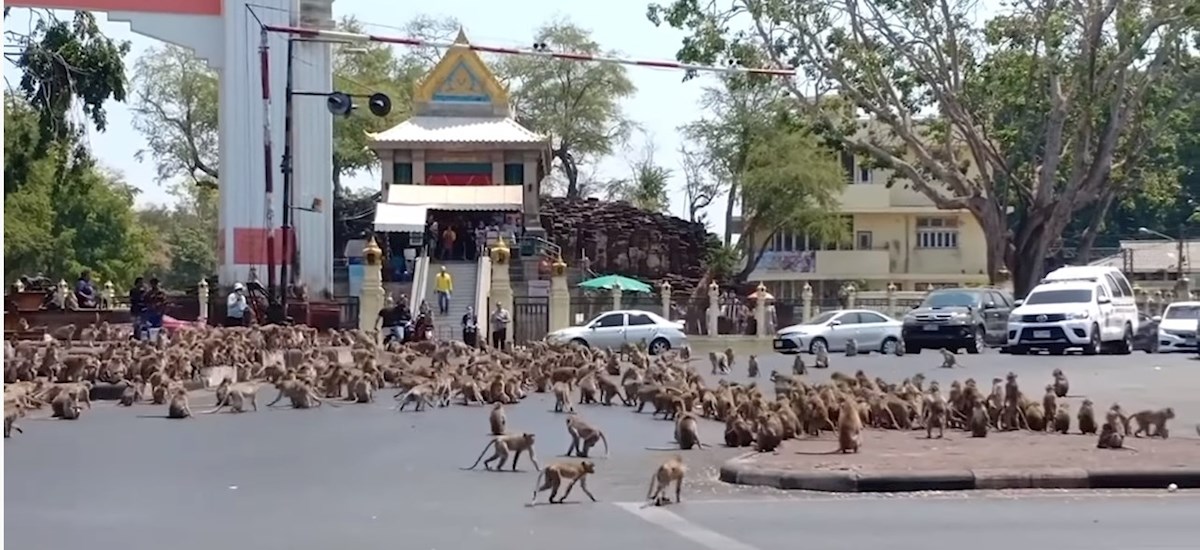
[(365, 476)]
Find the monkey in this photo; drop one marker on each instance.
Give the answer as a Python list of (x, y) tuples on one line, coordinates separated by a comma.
[(849, 427), (1050, 406), (671, 471), (583, 437), (562, 397), (687, 433), (949, 360), (1111, 438), (418, 395), (798, 366), (851, 347), (66, 405), (1087, 418), (713, 358), (1116, 413), (1061, 385), (935, 413), (497, 419), (822, 361), (505, 444), (1152, 419), (178, 407), (979, 420), (131, 394), (236, 398), (727, 366), (1062, 419), (11, 413), (752, 366), (553, 475), (899, 349)]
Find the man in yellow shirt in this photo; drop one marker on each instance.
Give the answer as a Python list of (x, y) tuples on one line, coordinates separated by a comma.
[(444, 286)]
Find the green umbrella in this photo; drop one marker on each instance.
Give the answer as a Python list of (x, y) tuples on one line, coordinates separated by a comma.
[(610, 282)]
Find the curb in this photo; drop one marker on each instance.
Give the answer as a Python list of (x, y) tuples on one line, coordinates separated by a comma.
[(739, 471), (112, 392)]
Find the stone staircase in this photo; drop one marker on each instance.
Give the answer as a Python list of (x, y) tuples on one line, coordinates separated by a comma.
[(464, 275)]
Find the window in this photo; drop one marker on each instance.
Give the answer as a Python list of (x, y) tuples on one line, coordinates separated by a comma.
[(514, 174), (864, 174), (611, 320), (800, 242), (639, 319), (1124, 284), (937, 232), (869, 317), (999, 299), (849, 319), (1114, 289), (863, 240), (1064, 296), (402, 173), (951, 298)]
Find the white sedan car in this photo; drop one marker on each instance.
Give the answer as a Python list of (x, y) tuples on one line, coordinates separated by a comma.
[(873, 331), (1177, 327), (611, 330)]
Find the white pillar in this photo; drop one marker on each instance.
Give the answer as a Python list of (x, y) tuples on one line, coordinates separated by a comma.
[(616, 298), (665, 296), (760, 311), (202, 296), (714, 308)]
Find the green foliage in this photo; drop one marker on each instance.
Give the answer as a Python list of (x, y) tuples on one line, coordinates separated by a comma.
[(67, 217), (64, 65), (720, 260), (577, 104), (186, 234), (1036, 113), (176, 111), (647, 186)]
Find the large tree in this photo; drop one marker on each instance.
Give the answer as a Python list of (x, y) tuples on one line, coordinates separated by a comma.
[(176, 111), (67, 216), (65, 65), (185, 250), (577, 104), (699, 188), (1021, 121)]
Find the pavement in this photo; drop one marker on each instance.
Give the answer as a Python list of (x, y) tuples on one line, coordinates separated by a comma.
[(365, 476)]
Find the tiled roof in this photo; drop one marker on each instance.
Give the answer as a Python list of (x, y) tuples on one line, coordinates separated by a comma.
[(456, 129), (1152, 256)]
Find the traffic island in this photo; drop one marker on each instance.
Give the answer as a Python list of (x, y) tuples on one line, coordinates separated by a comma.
[(894, 462)]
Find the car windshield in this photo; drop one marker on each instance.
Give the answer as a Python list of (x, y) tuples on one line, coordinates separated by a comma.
[(1061, 296), (951, 299), (1182, 312), (822, 318)]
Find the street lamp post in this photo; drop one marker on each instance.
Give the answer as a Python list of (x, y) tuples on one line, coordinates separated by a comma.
[(1178, 247)]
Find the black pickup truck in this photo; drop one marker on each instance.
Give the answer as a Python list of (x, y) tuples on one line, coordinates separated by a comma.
[(958, 318)]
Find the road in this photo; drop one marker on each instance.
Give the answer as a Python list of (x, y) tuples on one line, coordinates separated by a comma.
[(364, 475)]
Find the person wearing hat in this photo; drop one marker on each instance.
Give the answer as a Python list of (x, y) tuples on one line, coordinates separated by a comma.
[(236, 308)]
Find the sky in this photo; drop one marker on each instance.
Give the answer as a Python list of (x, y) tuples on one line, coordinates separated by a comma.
[(661, 105)]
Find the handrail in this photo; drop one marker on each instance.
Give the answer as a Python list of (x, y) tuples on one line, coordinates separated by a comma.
[(420, 278), (545, 246), (483, 290)]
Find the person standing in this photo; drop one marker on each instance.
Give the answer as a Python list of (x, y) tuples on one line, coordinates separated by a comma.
[(156, 307), (137, 302), (500, 320), (444, 286), (85, 291), (236, 307), (393, 324), (448, 238), (470, 327)]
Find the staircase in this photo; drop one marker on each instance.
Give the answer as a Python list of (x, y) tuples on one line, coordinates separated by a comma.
[(464, 275)]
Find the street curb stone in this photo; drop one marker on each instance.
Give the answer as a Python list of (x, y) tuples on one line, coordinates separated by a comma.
[(740, 471)]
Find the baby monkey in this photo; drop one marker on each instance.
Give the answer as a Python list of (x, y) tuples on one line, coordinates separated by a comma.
[(553, 475)]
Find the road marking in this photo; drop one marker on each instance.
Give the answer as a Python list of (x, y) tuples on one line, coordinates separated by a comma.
[(672, 522), (1013, 494)]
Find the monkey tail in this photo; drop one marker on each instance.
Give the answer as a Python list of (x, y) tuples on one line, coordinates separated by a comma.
[(650, 491), (605, 440), (537, 483), (480, 459), (219, 406)]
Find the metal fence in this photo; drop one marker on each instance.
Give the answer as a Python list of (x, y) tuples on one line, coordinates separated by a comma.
[(531, 318)]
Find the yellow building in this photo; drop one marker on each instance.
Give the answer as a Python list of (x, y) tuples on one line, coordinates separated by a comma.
[(899, 236)]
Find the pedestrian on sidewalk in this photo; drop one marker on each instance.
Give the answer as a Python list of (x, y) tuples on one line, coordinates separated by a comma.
[(500, 320), (444, 286)]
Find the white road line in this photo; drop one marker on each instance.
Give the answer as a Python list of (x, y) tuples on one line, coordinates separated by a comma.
[(659, 516), (1015, 494)]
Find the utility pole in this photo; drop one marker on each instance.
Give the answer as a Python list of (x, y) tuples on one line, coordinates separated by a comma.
[(1179, 254)]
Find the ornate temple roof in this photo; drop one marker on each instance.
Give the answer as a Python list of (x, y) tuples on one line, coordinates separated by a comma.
[(458, 129)]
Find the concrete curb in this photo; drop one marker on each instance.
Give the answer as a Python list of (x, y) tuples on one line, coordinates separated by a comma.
[(739, 471), (112, 392)]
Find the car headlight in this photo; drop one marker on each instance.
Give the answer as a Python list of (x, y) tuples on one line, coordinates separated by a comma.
[(1079, 315)]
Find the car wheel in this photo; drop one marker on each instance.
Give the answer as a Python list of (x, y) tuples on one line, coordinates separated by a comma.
[(659, 346), (977, 343), (1018, 350), (889, 346), (816, 344), (1125, 346), (1094, 342), (580, 342), (912, 348)]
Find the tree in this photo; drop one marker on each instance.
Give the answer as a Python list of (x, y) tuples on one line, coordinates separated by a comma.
[(1020, 122), (185, 251), (68, 217), (577, 104), (64, 65), (176, 111), (646, 188), (699, 189)]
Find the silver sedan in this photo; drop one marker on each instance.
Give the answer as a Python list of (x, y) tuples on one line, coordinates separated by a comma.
[(871, 330), (613, 329)]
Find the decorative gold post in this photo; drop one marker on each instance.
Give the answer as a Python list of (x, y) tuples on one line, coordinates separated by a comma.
[(560, 296), (371, 297)]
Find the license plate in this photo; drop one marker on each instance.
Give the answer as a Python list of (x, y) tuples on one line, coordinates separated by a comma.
[(778, 344), (1044, 334), (931, 328)]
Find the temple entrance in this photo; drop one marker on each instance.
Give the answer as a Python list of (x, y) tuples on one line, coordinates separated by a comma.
[(464, 234)]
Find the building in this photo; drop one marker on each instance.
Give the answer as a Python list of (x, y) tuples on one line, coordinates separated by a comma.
[(897, 236), (1154, 264)]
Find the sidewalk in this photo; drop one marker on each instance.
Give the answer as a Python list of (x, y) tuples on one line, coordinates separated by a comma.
[(891, 461)]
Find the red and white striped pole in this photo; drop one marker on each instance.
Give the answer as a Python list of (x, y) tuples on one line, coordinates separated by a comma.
[(340, 36)]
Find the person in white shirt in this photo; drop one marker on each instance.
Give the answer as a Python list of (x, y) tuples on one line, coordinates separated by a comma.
[(237, 310)]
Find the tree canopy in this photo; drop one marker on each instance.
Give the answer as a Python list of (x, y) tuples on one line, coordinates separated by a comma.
[(1022, 120)]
